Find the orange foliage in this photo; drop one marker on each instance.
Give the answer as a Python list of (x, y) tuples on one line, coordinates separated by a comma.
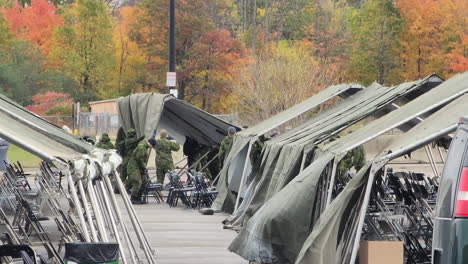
[(34, 23), (434, 37), (48, 100)]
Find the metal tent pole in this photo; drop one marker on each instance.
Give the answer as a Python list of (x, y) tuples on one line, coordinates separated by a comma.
[(78, 208), (97, 212), (88, 212), (440, 154), (362, 213), (126, 233), (433, 160), (113, 224), (141, 237), (430, 161), (332, 182), (131, 209)]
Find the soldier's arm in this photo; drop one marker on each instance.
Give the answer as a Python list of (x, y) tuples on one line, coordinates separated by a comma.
[(175, 146), (141, 157)]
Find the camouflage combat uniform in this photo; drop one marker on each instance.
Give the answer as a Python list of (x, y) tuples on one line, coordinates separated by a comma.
[(130, 143), (164, 162), (136, 168), (105, 142), (202, 151), (355, 158), (224, 149)]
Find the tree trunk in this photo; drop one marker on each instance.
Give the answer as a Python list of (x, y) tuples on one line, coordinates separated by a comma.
[(254, 26)]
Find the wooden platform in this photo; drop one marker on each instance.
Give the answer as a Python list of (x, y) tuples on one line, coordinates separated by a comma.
[(184, 236)]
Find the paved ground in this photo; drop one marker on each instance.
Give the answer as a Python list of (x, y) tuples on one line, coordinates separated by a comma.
[(182, 236)]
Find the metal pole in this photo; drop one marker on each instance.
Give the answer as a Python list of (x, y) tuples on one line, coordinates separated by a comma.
[(126, 233), (135, 220), (88, 212), (332, 182), (97, 212), (244, 172), (111, 218), (430, 161), (440, 154), (172, 55), (140, 235), (209, 162), (362, 213), (433, 160), (79, 211)]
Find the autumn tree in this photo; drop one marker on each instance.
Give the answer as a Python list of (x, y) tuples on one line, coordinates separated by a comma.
[(212, 59), (84, 49), (282, 76), (129, 69), (374, 31), (22, 72), (34, 22), (49, 102)]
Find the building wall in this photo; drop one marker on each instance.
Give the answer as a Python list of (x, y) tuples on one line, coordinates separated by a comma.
[(104, 107)]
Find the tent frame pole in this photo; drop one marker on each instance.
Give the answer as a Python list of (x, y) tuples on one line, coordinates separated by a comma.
[(362, 213), (244, 172), (403, 121), (88, 212), (430, 160), (440, 155), (332, 182), (132, 211), (134, 219), (126, 233), (385, 160), (433, 159), (97, 212), (112, 221), (79, 211)]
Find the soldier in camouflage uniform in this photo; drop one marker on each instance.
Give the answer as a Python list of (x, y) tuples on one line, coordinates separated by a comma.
[(136, 168), (129, 144), (104, 142), (355, 158), (164, 162), (225, 146), (256, 152)]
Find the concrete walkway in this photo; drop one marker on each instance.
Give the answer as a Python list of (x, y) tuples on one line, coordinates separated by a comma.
[(184, 236)]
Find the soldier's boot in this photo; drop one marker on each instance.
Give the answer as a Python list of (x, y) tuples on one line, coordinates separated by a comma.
[(136, 200)]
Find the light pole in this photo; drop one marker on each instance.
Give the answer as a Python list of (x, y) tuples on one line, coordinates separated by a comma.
[(171, 78)]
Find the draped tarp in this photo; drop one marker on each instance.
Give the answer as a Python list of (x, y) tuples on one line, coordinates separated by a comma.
[(37, 135), (287, 155), (233, 166), (24, 118), (149, 111), (264, 231), (324, 245)]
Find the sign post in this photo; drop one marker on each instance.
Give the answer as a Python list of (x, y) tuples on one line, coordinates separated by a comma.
[(171, 80)]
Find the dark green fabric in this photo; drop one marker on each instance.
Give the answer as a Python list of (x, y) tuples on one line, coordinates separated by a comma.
[(262, 230)]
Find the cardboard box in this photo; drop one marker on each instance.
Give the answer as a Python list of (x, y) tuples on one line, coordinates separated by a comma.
[(381, 252)]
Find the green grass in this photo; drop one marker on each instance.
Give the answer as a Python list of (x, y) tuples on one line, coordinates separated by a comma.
[(27, 159)]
